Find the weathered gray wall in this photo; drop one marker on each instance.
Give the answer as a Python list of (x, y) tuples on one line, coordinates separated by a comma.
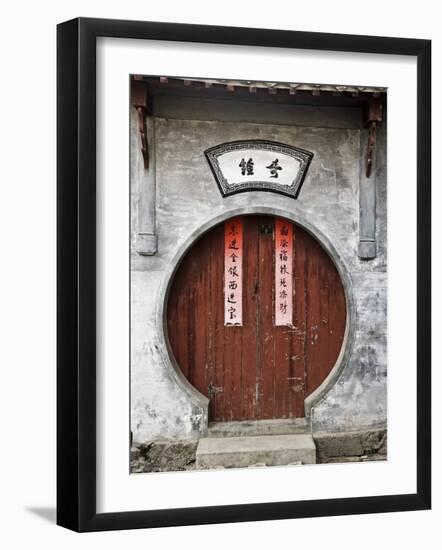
[(188, 197)]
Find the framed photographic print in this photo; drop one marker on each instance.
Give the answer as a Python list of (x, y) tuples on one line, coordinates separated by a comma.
[(243, 274)]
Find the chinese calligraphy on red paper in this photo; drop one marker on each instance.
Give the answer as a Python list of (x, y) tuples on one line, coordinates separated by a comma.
[(233, 256), (283, 273)]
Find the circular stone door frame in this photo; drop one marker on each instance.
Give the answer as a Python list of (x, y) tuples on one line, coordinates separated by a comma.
[(199, 401)]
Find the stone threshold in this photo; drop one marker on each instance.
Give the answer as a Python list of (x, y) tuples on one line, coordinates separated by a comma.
[(259, 427), (255, 450)]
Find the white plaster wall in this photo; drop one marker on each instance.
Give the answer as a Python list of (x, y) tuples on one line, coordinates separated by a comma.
[(187, 197)]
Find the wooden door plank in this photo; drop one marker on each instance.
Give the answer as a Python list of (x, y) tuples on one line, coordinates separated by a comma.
[(250, 348), (300, 320), (211, 323), (283, 353), (231, 386), (216, 380), (337, 316), (177, 314), (313, 356), (266, 341), (323, 341), (197, 316)]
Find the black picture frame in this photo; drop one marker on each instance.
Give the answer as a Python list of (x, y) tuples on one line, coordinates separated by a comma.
[(76, 274)]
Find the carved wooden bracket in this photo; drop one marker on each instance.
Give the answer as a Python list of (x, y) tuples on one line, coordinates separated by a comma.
[(372, 119), (140, 102), (142, 128)]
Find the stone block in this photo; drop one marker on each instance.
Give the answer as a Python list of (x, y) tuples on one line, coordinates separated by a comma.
[(165, 456), (345, 444), (335, 447), (374, 441)]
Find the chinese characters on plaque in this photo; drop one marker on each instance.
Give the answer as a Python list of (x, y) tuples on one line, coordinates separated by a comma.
[(247, 167), (233, 257), (274, 167), (283, 272)]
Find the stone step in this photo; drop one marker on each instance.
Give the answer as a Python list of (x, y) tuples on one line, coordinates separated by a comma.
[(258, 427), (263, 450)]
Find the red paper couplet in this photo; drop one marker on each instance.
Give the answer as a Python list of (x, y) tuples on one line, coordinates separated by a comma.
[(283, 272), (233, 255)]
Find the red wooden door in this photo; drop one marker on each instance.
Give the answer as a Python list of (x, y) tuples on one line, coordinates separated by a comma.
[(257, 370)]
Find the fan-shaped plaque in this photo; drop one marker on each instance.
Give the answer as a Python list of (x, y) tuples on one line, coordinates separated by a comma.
[(258, 165)]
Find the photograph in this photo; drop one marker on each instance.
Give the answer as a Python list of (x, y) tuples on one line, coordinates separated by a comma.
[(220, 323), (258, 273)]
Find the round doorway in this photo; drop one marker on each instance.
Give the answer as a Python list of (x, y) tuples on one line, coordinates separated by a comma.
[(257, 368)]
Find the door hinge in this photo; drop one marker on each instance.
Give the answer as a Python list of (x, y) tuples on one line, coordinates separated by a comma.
[(213, 390)]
